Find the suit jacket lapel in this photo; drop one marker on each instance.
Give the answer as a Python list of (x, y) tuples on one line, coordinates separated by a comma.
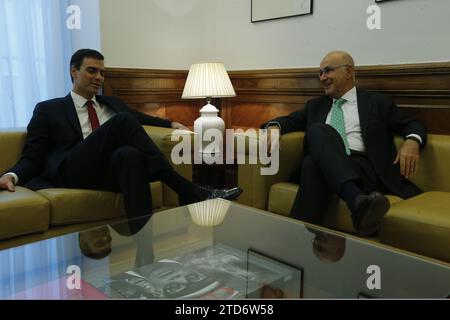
[(323, 110), (107, 103), (71, 114), (364, 109)]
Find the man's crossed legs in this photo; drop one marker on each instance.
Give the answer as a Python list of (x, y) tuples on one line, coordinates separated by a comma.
[(327, 170), (120, 156)]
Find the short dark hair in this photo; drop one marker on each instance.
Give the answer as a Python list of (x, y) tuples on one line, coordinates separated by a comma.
[(78, 57)]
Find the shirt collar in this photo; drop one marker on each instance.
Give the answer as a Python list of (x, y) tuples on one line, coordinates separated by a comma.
[(349, 96), (80, 101)]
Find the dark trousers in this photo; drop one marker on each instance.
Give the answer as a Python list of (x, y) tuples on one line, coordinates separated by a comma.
[(119, 156), (325, 168)]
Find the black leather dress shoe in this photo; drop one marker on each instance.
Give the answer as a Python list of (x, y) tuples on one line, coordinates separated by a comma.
[(369, 210), (228, 194)]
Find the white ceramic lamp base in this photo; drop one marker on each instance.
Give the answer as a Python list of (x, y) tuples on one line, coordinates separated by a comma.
[(209, 125)]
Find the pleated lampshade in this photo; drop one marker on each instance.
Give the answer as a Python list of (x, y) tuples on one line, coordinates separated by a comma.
[(208, 80)]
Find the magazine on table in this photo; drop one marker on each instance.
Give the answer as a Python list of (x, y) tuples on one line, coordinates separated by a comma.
[(216, 272)]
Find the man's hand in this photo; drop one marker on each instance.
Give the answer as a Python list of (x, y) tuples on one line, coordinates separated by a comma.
[(269, 139), (408, 156), (7, 182), (177, 125)]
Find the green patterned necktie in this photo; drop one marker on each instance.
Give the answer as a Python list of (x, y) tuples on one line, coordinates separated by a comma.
[(337, 121)]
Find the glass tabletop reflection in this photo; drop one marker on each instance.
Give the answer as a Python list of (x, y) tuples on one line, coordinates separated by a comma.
[(215, 249)]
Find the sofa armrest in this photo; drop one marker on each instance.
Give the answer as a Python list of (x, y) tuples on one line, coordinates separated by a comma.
[(11, 144), (163, 139), (433, 173), (257, 186)]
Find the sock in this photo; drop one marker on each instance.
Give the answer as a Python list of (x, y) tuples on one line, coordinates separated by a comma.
[(349, 192)]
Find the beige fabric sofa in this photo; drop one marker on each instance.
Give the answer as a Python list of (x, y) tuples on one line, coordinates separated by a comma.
[(420, 224), (27, 216)]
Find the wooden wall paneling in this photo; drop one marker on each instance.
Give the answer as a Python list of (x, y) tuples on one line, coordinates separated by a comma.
[(265, 94), (421, 89), (154, 92)]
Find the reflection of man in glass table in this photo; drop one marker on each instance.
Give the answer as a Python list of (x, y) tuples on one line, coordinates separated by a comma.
[(95, 243), (327, 246), (292, 266)]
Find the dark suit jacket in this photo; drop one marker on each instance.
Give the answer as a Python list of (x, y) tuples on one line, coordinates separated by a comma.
[(380, 120), (53, 131)]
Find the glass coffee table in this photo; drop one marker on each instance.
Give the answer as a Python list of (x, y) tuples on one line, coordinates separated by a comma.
[(216, 249)]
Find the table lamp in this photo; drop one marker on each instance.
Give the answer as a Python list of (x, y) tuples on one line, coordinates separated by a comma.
[(208, 80)]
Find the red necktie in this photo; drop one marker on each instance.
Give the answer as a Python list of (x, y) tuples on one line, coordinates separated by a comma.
[(93, 119)]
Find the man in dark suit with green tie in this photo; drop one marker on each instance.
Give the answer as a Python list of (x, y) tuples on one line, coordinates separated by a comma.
[(349, 148)]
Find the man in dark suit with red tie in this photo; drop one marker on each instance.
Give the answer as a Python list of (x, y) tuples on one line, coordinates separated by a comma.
[(349, 148), (88, 141)]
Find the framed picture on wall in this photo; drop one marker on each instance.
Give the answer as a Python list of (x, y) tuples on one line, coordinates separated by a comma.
[(263, 10)]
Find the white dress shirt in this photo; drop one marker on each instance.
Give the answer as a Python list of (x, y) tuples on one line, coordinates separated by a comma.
[(103, 112), (351, 119)]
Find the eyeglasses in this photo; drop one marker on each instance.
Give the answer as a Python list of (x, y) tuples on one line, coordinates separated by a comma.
[(329, 69)]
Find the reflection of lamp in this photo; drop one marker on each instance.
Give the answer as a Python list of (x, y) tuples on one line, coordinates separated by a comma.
[(209, 213), (208, 80)]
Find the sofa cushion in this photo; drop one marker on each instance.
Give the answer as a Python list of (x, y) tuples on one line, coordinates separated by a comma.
[(420, 224), (22, 212), (282, 196), (69, 206)]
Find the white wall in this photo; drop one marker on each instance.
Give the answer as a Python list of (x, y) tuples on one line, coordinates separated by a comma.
[(172, 34), (88, 36), (159, 34), (412, 31)]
